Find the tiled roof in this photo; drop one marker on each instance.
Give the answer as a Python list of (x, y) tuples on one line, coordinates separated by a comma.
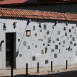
[(36, 14), (11, 2)]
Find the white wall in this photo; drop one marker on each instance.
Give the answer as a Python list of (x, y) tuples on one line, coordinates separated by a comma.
[(33, 40)]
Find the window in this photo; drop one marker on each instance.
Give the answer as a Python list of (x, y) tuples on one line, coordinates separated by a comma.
[(28, 32)]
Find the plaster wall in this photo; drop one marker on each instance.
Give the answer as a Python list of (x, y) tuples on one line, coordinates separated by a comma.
[(56, 42)]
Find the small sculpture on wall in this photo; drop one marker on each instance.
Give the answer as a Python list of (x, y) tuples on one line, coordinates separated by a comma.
[(1, 44), (4, 27), (14, 25)]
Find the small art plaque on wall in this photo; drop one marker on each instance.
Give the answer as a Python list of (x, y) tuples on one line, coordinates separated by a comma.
[(24, 43)]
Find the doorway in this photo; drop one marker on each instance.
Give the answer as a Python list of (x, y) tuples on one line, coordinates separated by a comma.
[(11, 49)]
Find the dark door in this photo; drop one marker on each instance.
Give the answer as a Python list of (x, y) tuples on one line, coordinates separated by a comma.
[(10, 49)]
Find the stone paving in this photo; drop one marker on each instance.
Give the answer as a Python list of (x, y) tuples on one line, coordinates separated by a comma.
[(43, 71)]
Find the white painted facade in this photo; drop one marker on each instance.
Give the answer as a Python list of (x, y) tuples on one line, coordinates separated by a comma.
[(59, 49)]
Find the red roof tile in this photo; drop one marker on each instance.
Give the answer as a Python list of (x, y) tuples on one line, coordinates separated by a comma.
[(36, 14)]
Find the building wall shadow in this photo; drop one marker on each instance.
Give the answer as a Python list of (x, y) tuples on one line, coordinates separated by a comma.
[(63, 74)]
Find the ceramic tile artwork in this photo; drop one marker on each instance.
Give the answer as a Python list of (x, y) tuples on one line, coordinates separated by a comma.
[(28, 32), (70, 35), (64, 28), (35, 34), (49, 39), (48, 44), (40, 30), (63, 41), (33, 58), (62, 36), (53, 41), (69, 30), (66, 24), (76, 53), (42, 51), (75, 44), (59, 50), (57, 39), (24, 43), (53, 26), (71, 42), (46, 61), (59, 43), (44, 27), (52, 50), (28, 47), (44, 36), (0, 48), (65, 34), (72, 27), (55, 55), (20, 55), (73, 38), (33, 27), (35, 46), (47, 32), (39, 25), (58, 32), (43, 44), (56, 46), (18, 40)]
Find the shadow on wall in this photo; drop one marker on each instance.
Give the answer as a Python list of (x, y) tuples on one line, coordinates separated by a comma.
[(64, 74)]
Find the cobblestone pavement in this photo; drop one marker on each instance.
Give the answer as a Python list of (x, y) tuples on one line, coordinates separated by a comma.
[(43, 71)]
